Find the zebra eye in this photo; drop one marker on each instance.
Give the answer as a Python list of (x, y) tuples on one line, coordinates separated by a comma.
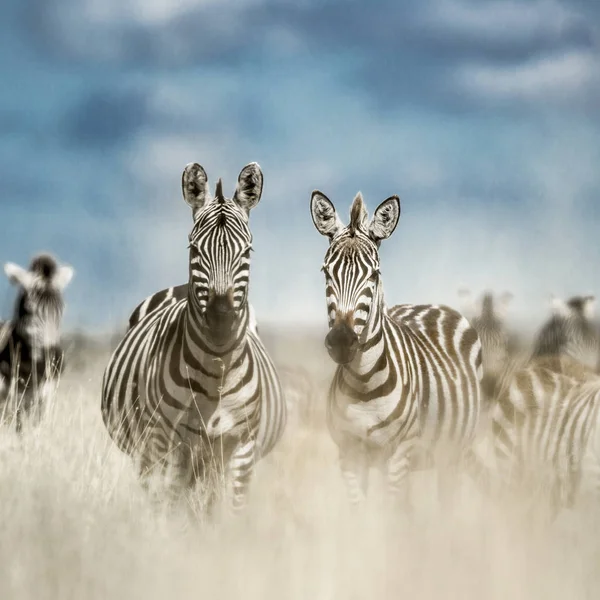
[(374, 275)]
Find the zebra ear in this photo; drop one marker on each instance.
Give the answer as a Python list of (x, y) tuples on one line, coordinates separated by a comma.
[(18, 275), (63, 277), (194, 184), (385, 219), (249, 187), (324, 215)]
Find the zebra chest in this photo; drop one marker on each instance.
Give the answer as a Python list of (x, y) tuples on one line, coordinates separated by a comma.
[(375, 420), (208, 406)]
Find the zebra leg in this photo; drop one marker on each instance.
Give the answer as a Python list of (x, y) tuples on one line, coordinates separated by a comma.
[(355, 471), (241, 467), (397, 471), (4, 396), (165, 470), (23, 401), (45, 397)]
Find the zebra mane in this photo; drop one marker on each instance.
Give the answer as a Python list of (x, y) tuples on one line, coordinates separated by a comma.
[(358, 215), (219, 197)]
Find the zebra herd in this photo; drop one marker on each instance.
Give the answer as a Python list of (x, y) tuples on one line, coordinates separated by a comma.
[(191, 393)]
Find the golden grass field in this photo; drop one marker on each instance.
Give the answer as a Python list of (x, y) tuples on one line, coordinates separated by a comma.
[(76, 524)]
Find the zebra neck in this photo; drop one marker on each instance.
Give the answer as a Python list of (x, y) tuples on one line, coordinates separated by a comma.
[(198, 341), (375, 365)]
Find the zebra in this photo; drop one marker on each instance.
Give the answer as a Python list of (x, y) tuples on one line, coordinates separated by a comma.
[(407, 377), (570, 331), (298, 388), (544, 423), (297, 385), (546, 437), (31, 355), (190, 390), (502, 351)]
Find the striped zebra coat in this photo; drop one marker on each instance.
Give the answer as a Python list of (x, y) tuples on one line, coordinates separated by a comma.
[(545, 432), (31, 355), (190, 389), (408, 377), (172, 295), (500, 349), (546, 437)]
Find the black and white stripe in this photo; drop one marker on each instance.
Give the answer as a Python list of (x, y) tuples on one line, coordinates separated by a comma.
[(172, 295), (544, 426), (501, 350), (191, 388), (408, 377), (546, 435), (31, 355)]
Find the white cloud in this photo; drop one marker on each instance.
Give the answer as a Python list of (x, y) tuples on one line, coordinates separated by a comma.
[(499, 19), (562, 77), (152, 13)]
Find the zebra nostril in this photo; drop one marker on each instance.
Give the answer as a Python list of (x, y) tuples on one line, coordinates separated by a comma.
[(221, 305)]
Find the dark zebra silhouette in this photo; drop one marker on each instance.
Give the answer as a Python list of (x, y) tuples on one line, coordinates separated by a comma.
[(31, 355)]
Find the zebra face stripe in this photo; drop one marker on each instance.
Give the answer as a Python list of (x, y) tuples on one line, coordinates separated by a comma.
[(352, 280), (220, 246)]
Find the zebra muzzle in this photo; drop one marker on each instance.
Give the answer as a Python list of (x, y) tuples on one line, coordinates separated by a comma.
[(220, 315), (341, 343)]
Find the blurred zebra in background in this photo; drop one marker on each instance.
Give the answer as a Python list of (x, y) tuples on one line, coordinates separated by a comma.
[(545, 428), (545, 434), (570, 332), (31, 356), (302, 395), (487, 315), (191, 390), (408, 378)]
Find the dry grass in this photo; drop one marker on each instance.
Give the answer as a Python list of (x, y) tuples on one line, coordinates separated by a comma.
[(76, 524)]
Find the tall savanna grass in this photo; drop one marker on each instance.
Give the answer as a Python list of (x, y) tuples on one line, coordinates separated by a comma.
[(75, 523)]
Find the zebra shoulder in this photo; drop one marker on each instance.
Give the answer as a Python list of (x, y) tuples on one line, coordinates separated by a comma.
[(159, 299)]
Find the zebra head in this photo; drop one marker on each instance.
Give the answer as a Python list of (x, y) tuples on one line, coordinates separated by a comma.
[(40, 305), (220, 245), (570, 331), (351, 268)]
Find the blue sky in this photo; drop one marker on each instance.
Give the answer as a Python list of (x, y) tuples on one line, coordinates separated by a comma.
[(482, 115)]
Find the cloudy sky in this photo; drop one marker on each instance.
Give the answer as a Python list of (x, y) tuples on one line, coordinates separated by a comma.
[(482, 115)]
